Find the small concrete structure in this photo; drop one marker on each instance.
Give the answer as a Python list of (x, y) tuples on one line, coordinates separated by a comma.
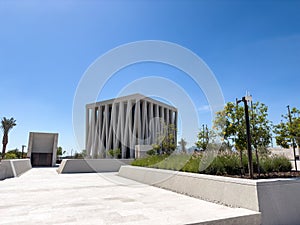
[(277, 199), (141, 150), (13, 167), (42, 148), (92, 165)]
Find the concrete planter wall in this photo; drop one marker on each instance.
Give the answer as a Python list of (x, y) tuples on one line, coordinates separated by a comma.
[(13, 167), (92, 165), (277, 199)]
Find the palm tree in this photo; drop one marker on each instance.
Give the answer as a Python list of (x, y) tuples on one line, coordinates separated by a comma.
[(6, 126)]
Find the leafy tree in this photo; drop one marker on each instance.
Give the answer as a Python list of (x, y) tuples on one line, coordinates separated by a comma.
[(59, 151), (203, 138), (166, 139), (231, 122), (13, 154), (261, 126), (114, 153), (168, 143), (6, 126), (182, 144), (156, 149), (286, 131)]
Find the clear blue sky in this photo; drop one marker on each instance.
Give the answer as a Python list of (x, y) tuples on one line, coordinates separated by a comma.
[(46, 46)]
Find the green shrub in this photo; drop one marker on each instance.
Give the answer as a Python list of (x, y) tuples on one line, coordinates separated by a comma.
[(114, 152), (281, 164), (11, 155), (151, 152), (192, 165), (223, 164), (150, 161), (266, 165), (231, 164), (216, 167)]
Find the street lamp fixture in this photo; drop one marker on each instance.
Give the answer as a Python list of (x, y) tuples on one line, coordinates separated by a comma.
[(247, 99), (293, 138), (23, 146)]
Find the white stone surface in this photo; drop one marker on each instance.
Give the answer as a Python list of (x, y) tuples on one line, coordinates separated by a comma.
[(41, 196), (277, 199)]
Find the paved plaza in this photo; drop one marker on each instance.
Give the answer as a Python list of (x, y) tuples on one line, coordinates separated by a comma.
[(41, 196)]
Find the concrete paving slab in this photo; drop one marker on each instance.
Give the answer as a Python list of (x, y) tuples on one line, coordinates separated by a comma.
[(41, 196)]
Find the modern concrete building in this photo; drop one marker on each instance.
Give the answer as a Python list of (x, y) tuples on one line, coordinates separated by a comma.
[(42, 148), (125, 122)]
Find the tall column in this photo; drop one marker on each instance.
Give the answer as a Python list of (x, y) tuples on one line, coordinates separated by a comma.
[(96, 133), (100, 135), (122, 128), (145, 123), (111, 126), (175, 125), (128, 128), (106, 127), (157, 122), (151, 124), (87, 123), (167, 117), (93, 123)]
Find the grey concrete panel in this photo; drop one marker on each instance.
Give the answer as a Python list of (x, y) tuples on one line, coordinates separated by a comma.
[(14, 167), (7, 164), (21, 166), (279, 201), (92, 165), (43, 143), (230, 191), (2, 171)]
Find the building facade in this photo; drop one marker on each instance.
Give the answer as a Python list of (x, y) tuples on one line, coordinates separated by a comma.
[(124, 122), (42, 148)]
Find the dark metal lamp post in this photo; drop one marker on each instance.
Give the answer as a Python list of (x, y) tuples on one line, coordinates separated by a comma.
[(293, 138), (250, 162), (23, 146)]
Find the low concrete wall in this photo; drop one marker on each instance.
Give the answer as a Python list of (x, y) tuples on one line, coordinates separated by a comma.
[(277, 199), (92, 165), (2, 171), (14, 167), (293, 164)]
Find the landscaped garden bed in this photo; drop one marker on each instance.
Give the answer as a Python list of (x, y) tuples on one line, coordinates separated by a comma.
[(225, 164)]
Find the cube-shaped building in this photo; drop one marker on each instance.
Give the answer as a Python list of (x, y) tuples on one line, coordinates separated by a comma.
[(124, 122), (42, 148)]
